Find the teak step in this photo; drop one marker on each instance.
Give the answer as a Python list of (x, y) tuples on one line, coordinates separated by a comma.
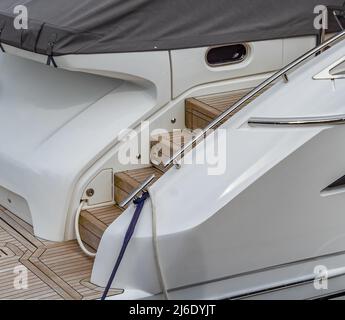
[(93, 222), (200, 111), (163, 147), (125, 182)]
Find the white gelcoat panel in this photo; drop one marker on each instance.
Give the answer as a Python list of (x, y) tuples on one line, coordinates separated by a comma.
[(102, 186), (289, 281), (15, 203), (57, 124), (150, 69), (295, 47), (189, 68)]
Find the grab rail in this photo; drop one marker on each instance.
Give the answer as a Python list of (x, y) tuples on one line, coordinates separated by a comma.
[(303, 121), (251, 94), (136, 191)]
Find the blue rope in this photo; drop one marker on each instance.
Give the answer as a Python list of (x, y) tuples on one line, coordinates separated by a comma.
[(129, 233)]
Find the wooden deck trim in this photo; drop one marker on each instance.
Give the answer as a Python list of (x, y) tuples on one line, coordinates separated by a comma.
[(202, 110), (92, 224), (56, 270), (127, 181)]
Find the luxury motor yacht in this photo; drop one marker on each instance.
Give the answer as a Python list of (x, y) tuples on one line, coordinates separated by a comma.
[(150, 152)]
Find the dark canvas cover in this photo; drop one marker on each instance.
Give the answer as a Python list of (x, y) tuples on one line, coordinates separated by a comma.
[(59, 27)]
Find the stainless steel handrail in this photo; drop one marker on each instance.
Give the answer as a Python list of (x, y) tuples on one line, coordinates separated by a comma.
[(302, 121), (251, 94), (136, 191)]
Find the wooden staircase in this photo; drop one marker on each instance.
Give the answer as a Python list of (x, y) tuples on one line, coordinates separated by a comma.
[(127, 181), (199, 112)]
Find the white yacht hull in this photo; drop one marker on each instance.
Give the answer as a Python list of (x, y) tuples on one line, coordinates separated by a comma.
[(270, 207), (67, 137), (257, 229)]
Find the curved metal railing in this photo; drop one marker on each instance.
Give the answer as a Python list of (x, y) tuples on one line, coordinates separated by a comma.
[(253, 121), (251, 94), (299, 121)]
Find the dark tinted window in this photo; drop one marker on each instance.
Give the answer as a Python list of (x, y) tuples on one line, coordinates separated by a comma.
[(226, 54)]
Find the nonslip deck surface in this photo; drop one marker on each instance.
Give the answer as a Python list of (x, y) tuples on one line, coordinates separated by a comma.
[(55, 271), (200, 111), (94, 222)]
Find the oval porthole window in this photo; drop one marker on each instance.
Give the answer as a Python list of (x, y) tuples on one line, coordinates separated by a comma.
[(223, 55)]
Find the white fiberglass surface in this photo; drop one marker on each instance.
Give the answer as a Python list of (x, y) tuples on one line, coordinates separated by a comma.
[(37, 100), (264, 209), (54, 124)]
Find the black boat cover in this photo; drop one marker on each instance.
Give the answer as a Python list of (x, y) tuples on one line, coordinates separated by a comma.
[(57, 27)]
